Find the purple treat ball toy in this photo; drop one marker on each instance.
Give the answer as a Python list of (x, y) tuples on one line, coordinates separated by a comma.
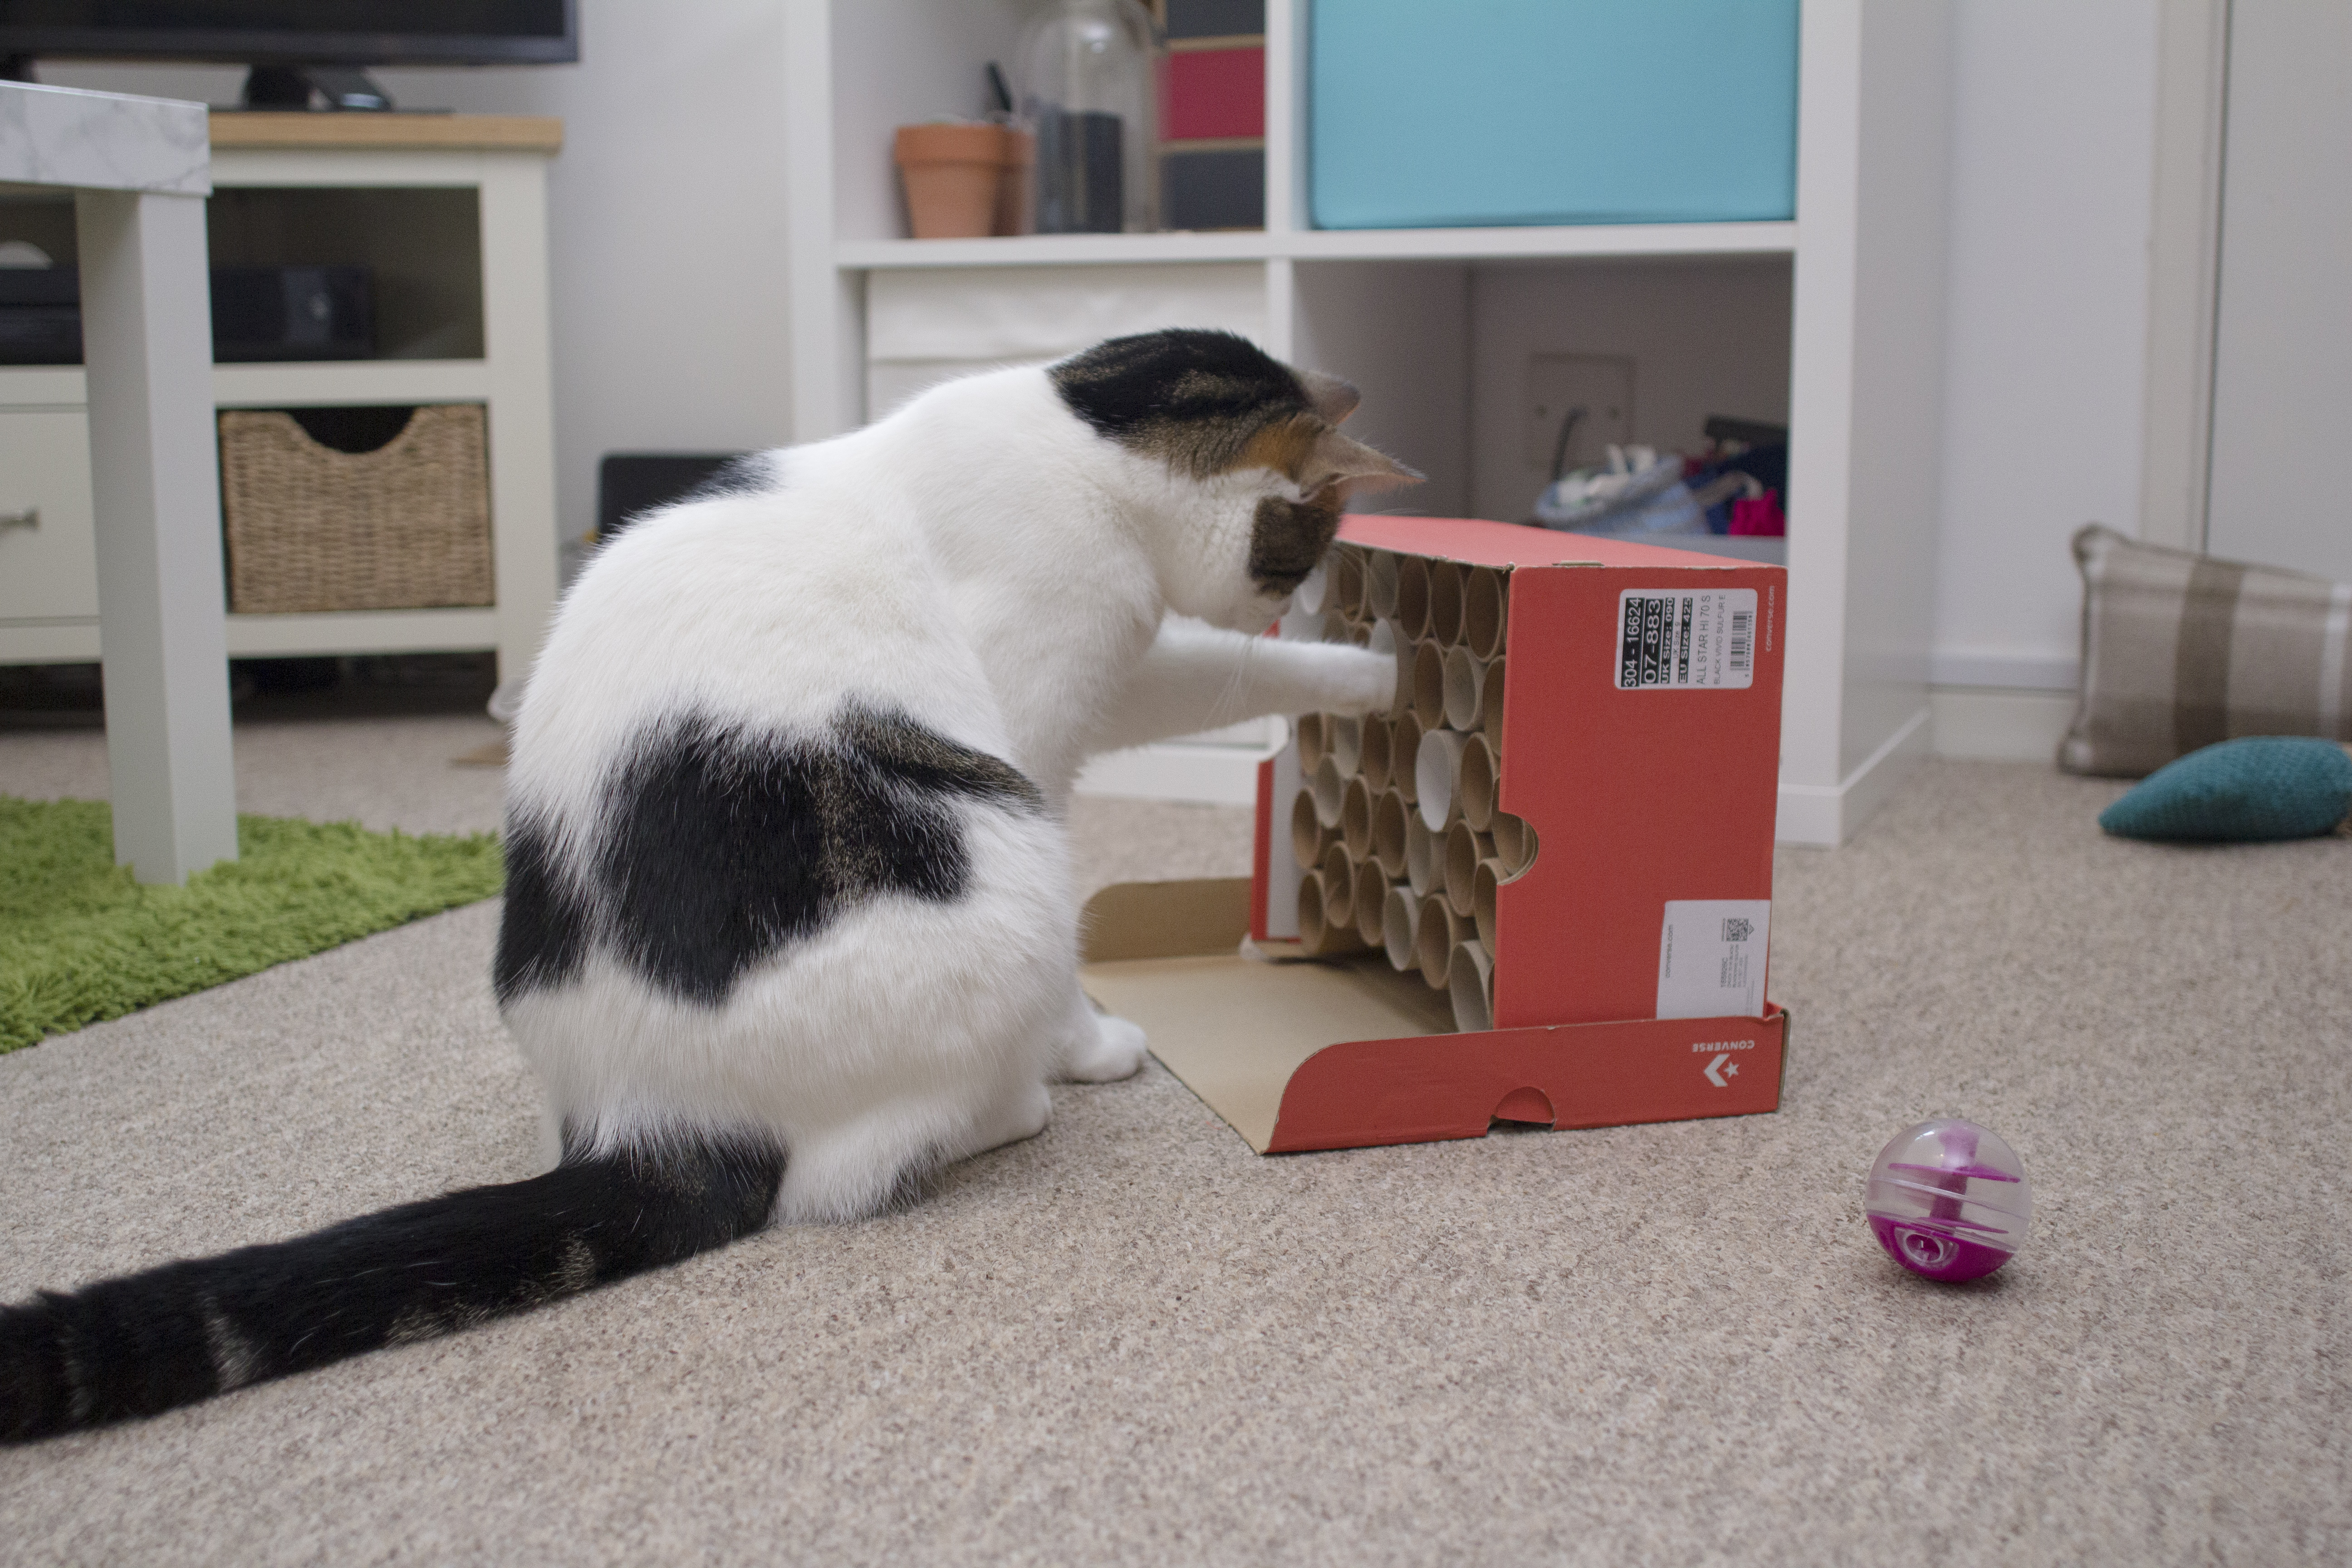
[(1949, 1200)]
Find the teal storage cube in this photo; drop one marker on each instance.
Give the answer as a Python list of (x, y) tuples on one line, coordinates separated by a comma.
[(1464, 113)]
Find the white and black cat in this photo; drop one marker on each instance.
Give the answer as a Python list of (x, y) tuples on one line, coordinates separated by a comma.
[(789, 916)]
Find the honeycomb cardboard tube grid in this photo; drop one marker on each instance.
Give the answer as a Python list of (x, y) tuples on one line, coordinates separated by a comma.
[(1484, 880), (1400, 924), (1434, 772), (1380, 583), (1445, 603), (1412, 598), (1404, 756), (1424, 855), (1476, 781), (1308, 837), (1484, 609), (1318, 935), (1464, 684), (1439, 932), (1331, 788), (1372, 905), (1429, 684), (1338, 885), (1356, 819), (1390, 828), (1490, 705), (1515, 844), (1350, 581), (1373, 761), (1468, 973), (1343, 741), (1465, 848), (1311, 746)]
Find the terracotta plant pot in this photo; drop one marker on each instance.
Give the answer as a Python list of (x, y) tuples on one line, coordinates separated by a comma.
[(1016, 193), (952, 174)]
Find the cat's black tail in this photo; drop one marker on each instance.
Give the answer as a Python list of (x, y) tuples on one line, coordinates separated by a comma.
[(146, 1342)]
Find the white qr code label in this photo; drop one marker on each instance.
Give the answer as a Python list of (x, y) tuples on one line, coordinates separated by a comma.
[(1685, 639), (1711, 958)]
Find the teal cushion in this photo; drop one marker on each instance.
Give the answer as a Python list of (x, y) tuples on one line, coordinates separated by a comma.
[(2264, 787)]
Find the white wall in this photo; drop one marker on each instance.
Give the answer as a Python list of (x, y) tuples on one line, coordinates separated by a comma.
[(2052, 189), (667, 211)]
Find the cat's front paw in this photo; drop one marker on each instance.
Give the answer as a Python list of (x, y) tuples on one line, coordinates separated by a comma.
[(1113, 1050)]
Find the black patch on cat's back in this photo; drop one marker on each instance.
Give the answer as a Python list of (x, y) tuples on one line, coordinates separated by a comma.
[(544, 929), (721, 847), (1191, 397)]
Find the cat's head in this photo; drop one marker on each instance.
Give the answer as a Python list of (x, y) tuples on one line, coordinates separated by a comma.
[(1241, 467)]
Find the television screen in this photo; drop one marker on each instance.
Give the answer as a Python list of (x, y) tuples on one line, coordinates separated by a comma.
[(295, 32)]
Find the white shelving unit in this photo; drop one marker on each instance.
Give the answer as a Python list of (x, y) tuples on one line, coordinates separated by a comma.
[(1831, 323), (453, 209)]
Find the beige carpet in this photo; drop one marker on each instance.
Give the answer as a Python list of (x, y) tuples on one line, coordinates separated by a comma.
[(1132, 1341)]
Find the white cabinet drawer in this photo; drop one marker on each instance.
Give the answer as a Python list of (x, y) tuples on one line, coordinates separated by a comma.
[(49, 552)]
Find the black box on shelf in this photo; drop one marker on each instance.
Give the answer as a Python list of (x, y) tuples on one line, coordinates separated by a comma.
[(258, 313)]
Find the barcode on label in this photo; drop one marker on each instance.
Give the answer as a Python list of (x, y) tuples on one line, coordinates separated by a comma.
[(1685, 639)]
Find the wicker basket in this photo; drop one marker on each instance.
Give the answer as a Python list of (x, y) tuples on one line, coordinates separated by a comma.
[(404, 527)]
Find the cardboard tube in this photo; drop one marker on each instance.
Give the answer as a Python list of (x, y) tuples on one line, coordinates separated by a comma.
[(1404, 751), (1432, 940), (1315, 590), (1475, 785), (1343, 741), (1465, 683), (1309, 836), (1484, 606), (1381, 583), (1374, 764), (1483, 883), (1464, 850), (1390, 816), (1400, 924), (1372, 903), (1309, 731), (1515, 844), (1356, 819), (1445, 602), (1428, 685), (1387, 640), (1331, 788), (1424, 855), (1338, 885), (1349, 582), (1435, 767), (1490, 707), (1317, 937), (1412, 597), (1468, 975)]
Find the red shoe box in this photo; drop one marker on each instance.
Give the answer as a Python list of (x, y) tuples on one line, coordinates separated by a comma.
[(1638, 739)]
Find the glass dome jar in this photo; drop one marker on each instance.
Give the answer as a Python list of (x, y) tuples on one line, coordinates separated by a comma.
[(1090, 91)]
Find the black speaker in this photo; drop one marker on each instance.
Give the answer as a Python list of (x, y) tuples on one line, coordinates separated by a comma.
[(631, 484)]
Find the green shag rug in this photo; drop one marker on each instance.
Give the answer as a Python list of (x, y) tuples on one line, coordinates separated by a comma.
[(79, 941)]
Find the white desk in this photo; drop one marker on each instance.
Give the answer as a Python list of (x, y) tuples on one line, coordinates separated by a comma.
[(140, 169)]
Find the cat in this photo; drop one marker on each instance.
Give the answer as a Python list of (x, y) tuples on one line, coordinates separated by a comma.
[(789, 918)]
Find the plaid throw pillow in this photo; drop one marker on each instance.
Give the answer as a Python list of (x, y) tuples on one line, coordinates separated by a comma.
[(2181, 651)]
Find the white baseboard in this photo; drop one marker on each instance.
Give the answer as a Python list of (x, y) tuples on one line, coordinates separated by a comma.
[(1201, 776), (1828, 814), (1999, 724)]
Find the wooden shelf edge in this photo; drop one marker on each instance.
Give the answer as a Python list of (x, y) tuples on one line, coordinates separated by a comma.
[(465, 133), (1564, 243)]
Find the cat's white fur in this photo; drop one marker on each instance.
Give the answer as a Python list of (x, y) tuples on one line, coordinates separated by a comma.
[(986, 562)]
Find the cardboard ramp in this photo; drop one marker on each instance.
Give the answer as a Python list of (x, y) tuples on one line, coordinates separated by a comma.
[(1298, 1055)]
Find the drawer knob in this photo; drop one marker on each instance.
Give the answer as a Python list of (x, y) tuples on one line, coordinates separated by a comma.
[(28, 518)]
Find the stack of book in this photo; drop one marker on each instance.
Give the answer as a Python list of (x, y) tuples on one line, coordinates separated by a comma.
[(1212, 149)]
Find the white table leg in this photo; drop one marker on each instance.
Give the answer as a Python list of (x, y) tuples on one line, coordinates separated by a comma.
[(155, 486)]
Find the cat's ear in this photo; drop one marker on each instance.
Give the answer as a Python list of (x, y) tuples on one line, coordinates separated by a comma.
[(1332, 399), (1336, 460)]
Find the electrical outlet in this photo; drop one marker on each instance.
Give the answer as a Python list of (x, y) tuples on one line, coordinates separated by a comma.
[(1601, 385)]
